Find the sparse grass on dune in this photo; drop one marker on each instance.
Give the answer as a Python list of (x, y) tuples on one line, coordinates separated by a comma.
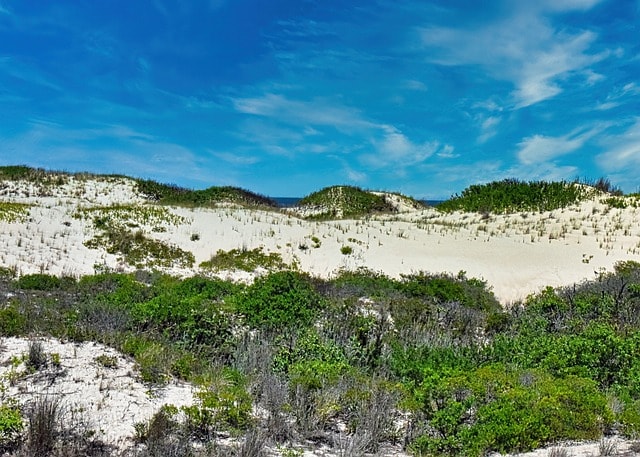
[(13, 212)]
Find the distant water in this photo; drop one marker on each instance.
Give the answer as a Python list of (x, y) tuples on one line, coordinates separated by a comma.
[(289, 202)]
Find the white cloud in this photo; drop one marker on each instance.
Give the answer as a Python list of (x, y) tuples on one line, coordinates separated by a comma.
[(413, 84), (489, 128), (236, 159), (522, 48), (447, 152), (622, 150), (538, 149), (319, 112), (619, 96)]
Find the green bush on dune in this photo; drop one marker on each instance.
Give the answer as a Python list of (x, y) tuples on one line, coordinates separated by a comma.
[(344, 202), (175, 195), (512, 195)]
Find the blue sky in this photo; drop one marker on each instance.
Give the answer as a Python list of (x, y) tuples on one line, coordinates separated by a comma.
[(284, 97)]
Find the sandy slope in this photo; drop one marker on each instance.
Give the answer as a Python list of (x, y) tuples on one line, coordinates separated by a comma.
[(111, 400), (517, 254)]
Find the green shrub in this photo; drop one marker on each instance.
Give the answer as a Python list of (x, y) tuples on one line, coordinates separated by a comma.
[(14, 212), (222, 404), (11, 426), (470, 292), (495, 410), (279, 301), (173, 195), (38, 282), (107, 361), (140, 251), (346, 250), (513, 196), (12, 320), (245, 260), (345, 202)]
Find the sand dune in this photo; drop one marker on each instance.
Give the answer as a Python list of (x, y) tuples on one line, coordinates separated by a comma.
[(516, 254)]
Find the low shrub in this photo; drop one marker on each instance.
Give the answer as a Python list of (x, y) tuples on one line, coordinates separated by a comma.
[(279, 301), (11, 426), (13, 321), (38, 282), (245, 260)]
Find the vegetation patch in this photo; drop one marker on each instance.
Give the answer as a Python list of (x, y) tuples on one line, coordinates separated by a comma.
[(174, 195), (138, 250), (512, 196), (129, 215), (345, 359), (14, 212), (339, 202), (245, 260)]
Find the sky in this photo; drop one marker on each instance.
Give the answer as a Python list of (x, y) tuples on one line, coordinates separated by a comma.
[(285, 97)]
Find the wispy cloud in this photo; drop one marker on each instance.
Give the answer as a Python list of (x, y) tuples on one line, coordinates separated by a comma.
[(620, 96), (622, 150), (539, 148), (522, 47), (319, 111)]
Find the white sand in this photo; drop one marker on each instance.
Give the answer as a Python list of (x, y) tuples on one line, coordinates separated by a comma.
[(111, 400), (516, 254)]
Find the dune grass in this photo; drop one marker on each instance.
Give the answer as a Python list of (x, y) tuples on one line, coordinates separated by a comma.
[(512, 196)]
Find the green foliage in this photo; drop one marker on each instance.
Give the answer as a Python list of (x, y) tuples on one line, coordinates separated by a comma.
[(38, 282), (13, 322), (11, 426), (491, 409), (107, 361), (17, 172), (311, 362), (470, 292), (190, 311), (512, 196), (245, 260), (346, 250), (173, 195), (152, 358), (140, 251), (223, 403), (339, 202), (279, 301), (363, 282), (129, 216), (14, 212)]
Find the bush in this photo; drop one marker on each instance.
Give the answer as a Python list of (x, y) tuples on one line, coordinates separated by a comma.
[(512, 196), (36, 357), (495, 410), (43, 430), (223, 403), (281, 300), (245, 260), (444, 288), (11, 426), (12, 321), (38, 282)]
